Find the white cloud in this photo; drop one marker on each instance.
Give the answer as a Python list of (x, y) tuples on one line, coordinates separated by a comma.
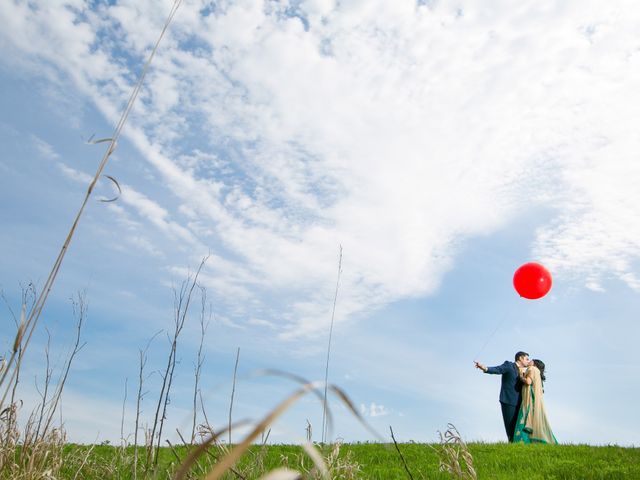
[(73, 174), (397, 130), (261, 323), (596, 234), (155, 214), (45, 149), (145, 244), (373, 410), (594, 285), (631, 280)]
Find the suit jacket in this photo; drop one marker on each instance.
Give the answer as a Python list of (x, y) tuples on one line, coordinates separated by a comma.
[(511, 384)]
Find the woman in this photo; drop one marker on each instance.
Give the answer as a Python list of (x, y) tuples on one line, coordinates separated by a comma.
[(532, 425)]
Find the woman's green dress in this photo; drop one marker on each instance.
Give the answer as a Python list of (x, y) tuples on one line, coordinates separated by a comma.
[(532, 425)]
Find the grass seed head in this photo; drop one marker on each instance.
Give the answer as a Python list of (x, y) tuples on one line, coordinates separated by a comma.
[(21, 328)]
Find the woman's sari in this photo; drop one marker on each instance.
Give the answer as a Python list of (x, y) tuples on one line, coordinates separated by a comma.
[(532, 425)]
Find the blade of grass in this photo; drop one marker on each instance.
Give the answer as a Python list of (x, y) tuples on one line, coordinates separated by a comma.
[(232, 457), (316, 458), (406, 467), (282, 474), (200, 449)]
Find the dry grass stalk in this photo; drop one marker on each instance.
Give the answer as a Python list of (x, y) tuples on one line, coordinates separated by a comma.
[(326, 371), (320, 469), (123, 441), (201, 429), (455, 457), (261, 455), (84, 461), (341, 467), (282, 474), (182, 301), (232, 457), (301, 381), (28, 295), (406, 467), (47, 381), (309, 431), (139, 398), (21, 328), (233, 391), (200, 357), (211, 439), (40, 302), (80, 311), (17, 348), (343, 397), (36, 449), (324, 466)]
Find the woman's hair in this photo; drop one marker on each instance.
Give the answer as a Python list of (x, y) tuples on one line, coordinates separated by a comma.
[(539, 364)]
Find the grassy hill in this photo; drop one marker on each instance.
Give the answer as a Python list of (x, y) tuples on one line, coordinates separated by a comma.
[(374, 461)]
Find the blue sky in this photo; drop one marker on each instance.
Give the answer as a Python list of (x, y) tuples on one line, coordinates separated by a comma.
[(442, 144)]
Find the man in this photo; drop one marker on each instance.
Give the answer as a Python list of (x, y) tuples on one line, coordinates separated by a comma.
[(510, 397)]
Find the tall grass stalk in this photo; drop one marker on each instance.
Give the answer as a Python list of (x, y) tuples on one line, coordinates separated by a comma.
[(233, 391), (454, 455), (36, 449), (139, 398), (182, 301), (80, 306), (404, 462), (326, 371), (233, 454), (47, 381), (123, 441), (28, 297), (34, 316), (199, 357)]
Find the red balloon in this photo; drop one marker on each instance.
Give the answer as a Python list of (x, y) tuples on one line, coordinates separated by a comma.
[(532, 281)]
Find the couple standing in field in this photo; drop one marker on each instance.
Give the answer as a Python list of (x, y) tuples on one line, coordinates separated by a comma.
[(522, 399)]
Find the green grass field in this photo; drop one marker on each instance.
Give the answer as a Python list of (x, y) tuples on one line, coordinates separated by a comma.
[(381, 461)]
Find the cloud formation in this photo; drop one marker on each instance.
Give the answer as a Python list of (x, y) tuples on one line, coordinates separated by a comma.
[(398, 130), (373, 410)]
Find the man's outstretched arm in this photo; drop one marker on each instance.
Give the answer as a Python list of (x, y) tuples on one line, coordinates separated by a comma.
[(499, 370), (481, 367)]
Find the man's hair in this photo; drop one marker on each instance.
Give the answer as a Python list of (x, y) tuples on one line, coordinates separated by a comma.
[(521, 354)]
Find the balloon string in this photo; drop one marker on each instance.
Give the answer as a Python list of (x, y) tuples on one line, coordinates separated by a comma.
[(490, 337)]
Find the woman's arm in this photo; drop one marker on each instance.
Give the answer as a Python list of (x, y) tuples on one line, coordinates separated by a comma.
[(526, 376)]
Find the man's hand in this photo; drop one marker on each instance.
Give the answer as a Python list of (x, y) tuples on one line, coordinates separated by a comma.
[(480, 366)]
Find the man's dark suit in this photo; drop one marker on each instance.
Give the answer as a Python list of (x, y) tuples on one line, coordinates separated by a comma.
[(510, 396)]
